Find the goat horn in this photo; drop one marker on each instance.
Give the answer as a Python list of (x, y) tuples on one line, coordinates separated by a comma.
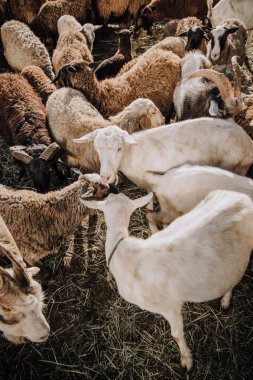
[(19, 154), (8, 286), (50, 151), (20, 274), (237, 77), (224, 86)]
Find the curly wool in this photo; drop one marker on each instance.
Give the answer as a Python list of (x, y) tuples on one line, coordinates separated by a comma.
[(40, 223), (23, 116), (23, 48)]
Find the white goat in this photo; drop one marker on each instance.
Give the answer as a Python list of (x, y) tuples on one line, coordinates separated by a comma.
[(204, 141), (199, 257), (180, 189), (226, 9)]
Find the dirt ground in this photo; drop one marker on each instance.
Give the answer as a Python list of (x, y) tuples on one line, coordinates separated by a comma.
[(95, 334)]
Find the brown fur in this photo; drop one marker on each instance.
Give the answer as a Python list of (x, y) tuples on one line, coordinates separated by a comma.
[(39, 82), (40, 223), (178, 8), (111, 66), (23, 116), (71, 45), (25, 10), (154, 77), (246, 117), (51, 11)]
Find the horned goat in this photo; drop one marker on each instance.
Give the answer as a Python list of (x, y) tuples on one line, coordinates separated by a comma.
[(161, 67), (226, 40), (23, 127), (199, 257), (21, 299), (70, 116), (205, 141), (23, 48)]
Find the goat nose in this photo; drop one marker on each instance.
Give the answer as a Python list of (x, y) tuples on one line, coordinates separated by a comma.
[(105, 177), (44, 337)]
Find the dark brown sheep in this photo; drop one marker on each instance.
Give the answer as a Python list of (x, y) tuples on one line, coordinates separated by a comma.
[(175, 9), (111, 66), (23, 127)]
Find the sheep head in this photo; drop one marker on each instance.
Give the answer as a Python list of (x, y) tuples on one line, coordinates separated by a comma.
[(38, 160)]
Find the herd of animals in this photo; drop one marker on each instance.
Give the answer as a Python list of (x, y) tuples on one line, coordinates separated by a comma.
[(111, 116)]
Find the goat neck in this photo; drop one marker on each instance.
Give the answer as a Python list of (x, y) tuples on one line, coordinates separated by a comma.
[(117, 228)]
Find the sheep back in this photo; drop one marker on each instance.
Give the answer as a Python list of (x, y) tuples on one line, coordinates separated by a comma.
[(23, 48)]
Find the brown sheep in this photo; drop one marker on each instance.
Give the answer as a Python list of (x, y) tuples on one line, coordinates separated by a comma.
[(51, 11), (25, 10), (111, 66), (175, 9), (71, 45), (23, 123), (39, 82), (40, 223), (154, 76)]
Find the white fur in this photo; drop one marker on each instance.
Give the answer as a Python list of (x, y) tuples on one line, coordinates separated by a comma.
[(179, 190), (71, 116), (205, 141), (226, 9), (199, 257)]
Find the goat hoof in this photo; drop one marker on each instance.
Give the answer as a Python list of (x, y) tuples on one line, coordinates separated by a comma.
[(187, 362)]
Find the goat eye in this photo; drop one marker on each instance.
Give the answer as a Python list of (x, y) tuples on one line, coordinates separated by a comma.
[(119, 149)]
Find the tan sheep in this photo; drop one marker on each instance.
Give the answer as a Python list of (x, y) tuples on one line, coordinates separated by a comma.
[(154, 76), (71, 46), (70, 116)]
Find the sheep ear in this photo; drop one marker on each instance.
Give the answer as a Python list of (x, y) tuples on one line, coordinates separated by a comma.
[(96, 27), (129, 139), (232, 30), (143, 201), (97, 205), (89, 137), (184, 34), (33, 271)]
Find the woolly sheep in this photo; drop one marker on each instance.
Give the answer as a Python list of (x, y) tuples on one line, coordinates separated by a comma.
[(199, 257), (23, 48), (70, 116), (67, 23), (204, 141), (21, 297), (24, 10), (51, 11), (161, 67), (23, 124), (70, 46), (40, 83), (40, 223), (112, 65)]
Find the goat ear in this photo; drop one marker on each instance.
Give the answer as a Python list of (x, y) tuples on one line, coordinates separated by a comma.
[(97, 205), (33, 271), (143, 201), (96, 27), (129, 139), (89, 137)]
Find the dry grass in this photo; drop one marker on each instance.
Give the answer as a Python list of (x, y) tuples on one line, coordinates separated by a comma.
[(97, 335)]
